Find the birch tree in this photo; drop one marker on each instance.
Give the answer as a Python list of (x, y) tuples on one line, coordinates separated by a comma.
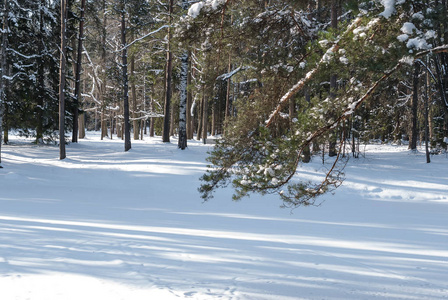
[(184, 68), (5, 31)]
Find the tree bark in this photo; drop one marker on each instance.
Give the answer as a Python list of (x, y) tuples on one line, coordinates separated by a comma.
[(134, 99), (62, 153), (428, 159), (333, 82), (190, 119), (204, 118), (3, 66), (127, 125), (182, 141), (168, 92), (40, 79), (414, 108), (78, 74)]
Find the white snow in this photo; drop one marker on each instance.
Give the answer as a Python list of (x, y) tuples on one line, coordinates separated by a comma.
[(403, 37), (430, 34), (109, 224), (344, 60), (417, 43), (195, 9), (418, 16), (408, 28), (389, 8)]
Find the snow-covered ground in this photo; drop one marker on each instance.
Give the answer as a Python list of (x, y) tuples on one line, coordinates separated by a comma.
[(105, 224)]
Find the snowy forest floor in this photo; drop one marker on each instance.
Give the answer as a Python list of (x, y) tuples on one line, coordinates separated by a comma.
[(105, 224)]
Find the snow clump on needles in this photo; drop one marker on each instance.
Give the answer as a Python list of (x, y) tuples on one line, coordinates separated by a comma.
[(196, 8)]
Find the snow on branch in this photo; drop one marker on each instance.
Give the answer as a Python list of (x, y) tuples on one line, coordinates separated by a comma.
[(142, 38), (299, 85), (230, 74)]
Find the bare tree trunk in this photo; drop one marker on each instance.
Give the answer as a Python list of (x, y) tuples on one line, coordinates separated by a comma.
[(102, 84), (62, 60), (2, 72), (200, 117), (127, 125), (182, 142), (172, 116), (82, 129), (183, 100), (103, 119), (307, 151), (40, 79), (204, 119), (168, 73), (190, 119), (427, 82), (414, 107), (78, 74), (134, 99), (333, 81)]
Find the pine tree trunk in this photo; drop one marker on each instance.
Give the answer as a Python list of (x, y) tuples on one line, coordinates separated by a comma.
[(172, 116), (168, 92), (103, 120), (134, 99), (41, 80), (204, 119), (127, 125), (427, 82), (62, 60), (333, 81), (414, 107), (78, 74), (200, 112), (82, 129), (190, 119)]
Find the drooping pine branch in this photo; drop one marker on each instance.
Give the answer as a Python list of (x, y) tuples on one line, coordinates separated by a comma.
[(301, 83)]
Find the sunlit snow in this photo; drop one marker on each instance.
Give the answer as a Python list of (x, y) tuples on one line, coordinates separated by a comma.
[(109, 224)]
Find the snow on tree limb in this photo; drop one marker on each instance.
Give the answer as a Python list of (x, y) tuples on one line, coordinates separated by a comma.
[(299, 85), (142, 38), (439, 49)]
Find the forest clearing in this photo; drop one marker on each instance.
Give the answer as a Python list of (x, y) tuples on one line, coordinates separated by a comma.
[(108, 224)]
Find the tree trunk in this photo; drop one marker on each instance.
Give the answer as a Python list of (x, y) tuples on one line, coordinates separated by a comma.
[(427, 82), (127, 125), (78, 74), (190, 119), (41, 80), (62, 60), (200, 112), (414, 108), (103, 119), (307, 151), (204, 119), (2, 72), (134, 99), (182, 141), (82, 129), (172, 115), (333, 81), (168, 92)]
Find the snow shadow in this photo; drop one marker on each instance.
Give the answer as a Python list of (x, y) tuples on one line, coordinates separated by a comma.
[(136, 219)]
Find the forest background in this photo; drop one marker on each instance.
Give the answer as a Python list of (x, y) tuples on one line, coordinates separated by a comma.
[(280, 82)]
